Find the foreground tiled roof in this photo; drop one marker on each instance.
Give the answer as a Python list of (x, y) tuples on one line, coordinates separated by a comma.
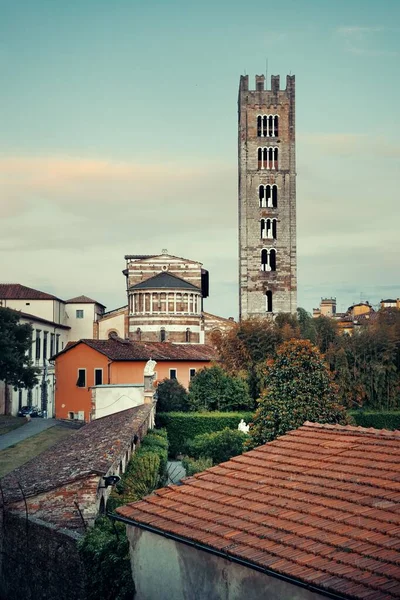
[(165, 281), (118, 349), (83, 300), (321, 505), (16, 291), (91, 449)]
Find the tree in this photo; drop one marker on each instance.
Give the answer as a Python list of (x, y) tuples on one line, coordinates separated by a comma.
[(245, 347), (326, 332), (299, 389), (15, 340), (171, 396), (307, 325), (214, 389)]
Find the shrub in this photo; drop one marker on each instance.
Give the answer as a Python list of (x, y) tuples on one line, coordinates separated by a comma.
[(219, 446), (182, 427), (171, 396), (379, 419), (106, 559), (193, 466), (214, 389)]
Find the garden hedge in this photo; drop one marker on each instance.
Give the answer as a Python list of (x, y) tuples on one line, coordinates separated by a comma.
[(378, 419), (182, 426)]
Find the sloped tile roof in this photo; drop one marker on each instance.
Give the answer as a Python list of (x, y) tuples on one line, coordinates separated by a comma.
[(320, 504), (83, 300), (91, 449), (118, 349), (16, 291), (163, 281)]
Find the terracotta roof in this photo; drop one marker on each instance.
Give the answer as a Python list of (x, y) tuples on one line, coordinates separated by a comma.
[(320, 504), (118, 349), (83, 300), (166, 281), (16, 291), (91, 449)]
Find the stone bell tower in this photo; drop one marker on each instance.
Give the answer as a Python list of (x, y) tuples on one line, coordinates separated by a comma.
[(267, 198)]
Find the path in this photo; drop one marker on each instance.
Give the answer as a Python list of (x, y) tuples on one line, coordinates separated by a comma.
[(30, 428), (175, 471)]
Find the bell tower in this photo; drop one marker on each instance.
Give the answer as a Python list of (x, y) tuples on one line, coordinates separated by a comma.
[(267, 198)]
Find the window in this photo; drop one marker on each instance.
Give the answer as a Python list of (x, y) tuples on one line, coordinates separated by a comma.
[(57, 342), (37, 355), (268, 229), (81, 378), (268, 196), (79, 314), (163, 335), (268, 158), (268, 125), (98, 377), (172, 373), (192, 373), (71, 415), (187, 336), (45, 333), (268, 259), (138, 334), (52, 336), (268, 301)]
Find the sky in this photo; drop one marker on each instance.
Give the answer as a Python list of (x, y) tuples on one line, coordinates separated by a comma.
[(118, 135)]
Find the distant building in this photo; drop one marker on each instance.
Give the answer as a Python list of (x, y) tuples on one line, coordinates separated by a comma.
[(165, 296), (55, 322), (390, 303), (356, 315)]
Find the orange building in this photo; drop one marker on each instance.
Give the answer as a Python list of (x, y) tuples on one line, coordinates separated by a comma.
[(87, 363)]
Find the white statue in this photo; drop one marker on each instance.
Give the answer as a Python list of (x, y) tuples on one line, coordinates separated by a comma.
[(243, 427), (149, 368)]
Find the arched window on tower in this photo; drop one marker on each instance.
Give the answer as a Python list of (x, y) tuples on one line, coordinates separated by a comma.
[(276, 126), (268, 301), (274, 196), (163, 334), (267, 158), (272, 259), (264, 260), (259, 126), (261, 196)]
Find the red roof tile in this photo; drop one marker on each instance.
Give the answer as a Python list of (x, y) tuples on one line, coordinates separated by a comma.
[(320, 504), (16, 291), (83, 300), (118, 349)]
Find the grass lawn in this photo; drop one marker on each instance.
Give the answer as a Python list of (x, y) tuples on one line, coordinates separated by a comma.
[(17, 455), (9, 423)]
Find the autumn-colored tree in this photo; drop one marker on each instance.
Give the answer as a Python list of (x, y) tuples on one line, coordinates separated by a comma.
[(246, 346), (299, 388)]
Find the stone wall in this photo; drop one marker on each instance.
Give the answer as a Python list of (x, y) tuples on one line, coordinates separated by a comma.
[(38, 561)]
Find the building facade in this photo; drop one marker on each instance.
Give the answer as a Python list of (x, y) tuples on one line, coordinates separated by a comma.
[(267, 198), (165, 298)]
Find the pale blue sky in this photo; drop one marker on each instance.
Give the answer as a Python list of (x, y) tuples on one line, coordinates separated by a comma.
[(119, 135)]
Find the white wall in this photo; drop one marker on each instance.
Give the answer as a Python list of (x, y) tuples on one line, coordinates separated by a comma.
[(112, 323), (80, 328), (110, 399)]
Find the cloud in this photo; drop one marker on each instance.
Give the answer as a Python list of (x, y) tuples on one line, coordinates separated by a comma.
[(358, 40)]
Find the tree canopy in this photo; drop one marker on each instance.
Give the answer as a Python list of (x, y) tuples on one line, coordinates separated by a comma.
[(214, 389), (299, 388), (15, 340), (171, 396)]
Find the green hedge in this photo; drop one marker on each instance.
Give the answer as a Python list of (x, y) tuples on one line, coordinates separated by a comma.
[(182, 427), (378, 419)]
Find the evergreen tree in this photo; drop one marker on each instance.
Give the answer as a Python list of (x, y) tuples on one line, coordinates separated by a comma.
[(171, 396), (299, 388), (214, 389)]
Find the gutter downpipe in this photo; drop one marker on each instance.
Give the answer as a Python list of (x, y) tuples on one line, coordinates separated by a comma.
[(241, 561)]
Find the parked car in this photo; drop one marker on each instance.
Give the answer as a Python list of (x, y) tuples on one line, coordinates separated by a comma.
[(32, 411)]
